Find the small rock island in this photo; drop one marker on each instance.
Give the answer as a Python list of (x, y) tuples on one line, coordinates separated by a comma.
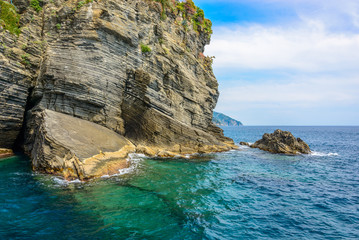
[(281, 142)]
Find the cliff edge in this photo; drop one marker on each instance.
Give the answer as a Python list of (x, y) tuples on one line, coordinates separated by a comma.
[(84, 83)]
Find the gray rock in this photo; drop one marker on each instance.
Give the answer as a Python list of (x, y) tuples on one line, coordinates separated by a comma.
[(281, 142), (244, 144)]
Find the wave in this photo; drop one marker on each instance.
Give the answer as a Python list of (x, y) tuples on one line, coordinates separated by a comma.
[(63, 182), (134, 159), (320, 154), (244, 146)]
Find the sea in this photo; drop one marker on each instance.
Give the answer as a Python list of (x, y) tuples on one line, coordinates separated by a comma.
[(244, 194)]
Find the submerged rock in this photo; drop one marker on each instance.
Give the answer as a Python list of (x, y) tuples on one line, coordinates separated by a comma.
[(281, 142)]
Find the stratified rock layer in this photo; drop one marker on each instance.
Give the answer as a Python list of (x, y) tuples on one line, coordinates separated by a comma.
[(281, 142), (74, 147), (84, 61)]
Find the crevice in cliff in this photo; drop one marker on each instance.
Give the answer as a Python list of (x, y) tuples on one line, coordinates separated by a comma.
[(135, 88), (18, 145), (32, 99)]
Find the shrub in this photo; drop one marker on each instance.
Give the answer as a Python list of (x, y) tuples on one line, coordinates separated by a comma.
[(25, 59), (145, 48), (80, 4), (190, 8), (180, 7), (35, 4), (58, 26), (208, 26), (195, 15), (9, 19), (191, 14), (208, 62), (164, 4)]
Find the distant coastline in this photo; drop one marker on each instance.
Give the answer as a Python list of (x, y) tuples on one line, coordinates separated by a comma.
[(223, 120)]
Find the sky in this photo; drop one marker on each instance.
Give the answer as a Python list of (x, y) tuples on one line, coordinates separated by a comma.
[(286, 62)]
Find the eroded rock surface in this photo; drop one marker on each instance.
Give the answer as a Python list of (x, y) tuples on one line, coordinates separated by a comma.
[(74, 147), (85, 61), (281, 142)]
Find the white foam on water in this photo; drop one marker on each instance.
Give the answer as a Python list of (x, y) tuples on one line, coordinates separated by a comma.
[(243, 147), (63, 182), (320, 154), (134, 160), (137, 155)]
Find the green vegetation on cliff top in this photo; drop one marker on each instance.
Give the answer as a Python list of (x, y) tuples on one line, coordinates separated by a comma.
[(9, 18), (190, 13)]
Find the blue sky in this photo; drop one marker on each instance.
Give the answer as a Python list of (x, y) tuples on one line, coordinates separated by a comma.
[(286, 62)]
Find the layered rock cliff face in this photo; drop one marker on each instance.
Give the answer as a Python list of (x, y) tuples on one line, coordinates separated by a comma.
[(77, 70)]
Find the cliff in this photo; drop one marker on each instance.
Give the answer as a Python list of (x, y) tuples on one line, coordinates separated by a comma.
[(84, 83), (223, 120)]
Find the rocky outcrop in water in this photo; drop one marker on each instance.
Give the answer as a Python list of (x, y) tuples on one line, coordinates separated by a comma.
[(281, 142), (132, 70)]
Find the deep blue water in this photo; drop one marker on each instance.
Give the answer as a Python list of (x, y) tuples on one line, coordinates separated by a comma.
[(247, 194)]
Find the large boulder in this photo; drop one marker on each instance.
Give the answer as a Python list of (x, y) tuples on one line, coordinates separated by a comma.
[(281, 142)]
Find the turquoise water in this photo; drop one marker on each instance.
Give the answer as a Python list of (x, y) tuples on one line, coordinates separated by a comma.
[(247, 194)]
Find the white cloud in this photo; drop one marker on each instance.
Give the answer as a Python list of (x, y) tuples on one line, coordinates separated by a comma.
[(308, 47)]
